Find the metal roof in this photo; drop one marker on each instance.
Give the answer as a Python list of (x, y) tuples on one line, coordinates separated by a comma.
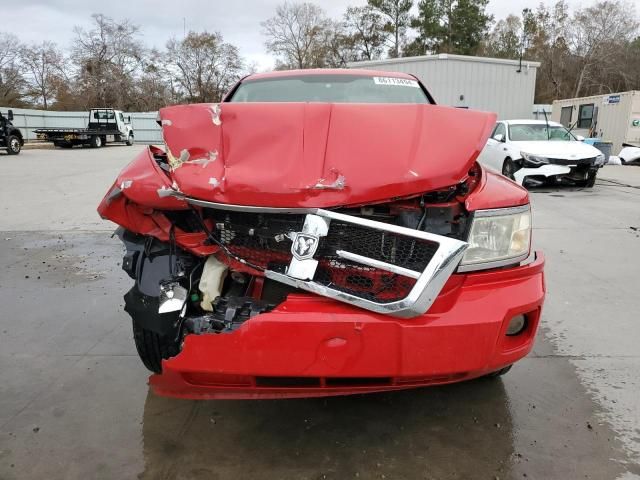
[(445, 56), (330, 71)]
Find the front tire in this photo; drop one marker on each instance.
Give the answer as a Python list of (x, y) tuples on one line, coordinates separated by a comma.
[(499, 373), (96, 141), (130, 139), (590, 181), (509, 168), (13, 145), (152, 347)]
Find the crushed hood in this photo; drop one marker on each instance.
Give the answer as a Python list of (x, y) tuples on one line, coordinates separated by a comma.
[(319, 154)]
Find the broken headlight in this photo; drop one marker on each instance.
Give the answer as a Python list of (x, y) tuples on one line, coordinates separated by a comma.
[(533, 160), (497, 238)]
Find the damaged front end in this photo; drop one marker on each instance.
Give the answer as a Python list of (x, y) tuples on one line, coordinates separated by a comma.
[(210, 267), (224, 230)]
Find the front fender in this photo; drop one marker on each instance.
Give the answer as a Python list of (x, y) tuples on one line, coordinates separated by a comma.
[(17, 133)]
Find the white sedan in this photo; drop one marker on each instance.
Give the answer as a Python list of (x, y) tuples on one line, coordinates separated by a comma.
[(534, 151)]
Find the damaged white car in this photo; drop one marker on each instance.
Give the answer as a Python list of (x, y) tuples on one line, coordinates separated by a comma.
[(533, 152)]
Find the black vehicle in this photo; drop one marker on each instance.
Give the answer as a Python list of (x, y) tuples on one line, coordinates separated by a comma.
[(10, 137), (105, 125)]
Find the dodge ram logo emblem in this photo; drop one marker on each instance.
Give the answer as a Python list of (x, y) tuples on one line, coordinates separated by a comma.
[(304, 246)]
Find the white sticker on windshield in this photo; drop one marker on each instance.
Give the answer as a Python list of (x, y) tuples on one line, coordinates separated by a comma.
[(393, 81)]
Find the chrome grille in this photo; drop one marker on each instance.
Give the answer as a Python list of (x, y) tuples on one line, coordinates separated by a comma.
[(377, 266)]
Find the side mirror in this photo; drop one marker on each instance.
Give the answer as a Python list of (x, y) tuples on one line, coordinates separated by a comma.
[(580, 138), (10, 115), (498, 137), (129, 119)]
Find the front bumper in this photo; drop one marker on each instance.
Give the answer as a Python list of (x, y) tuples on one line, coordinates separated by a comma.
[(310, 346), (574, 171)]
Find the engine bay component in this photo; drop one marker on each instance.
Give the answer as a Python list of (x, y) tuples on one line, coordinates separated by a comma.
[(172, 297), (228, 313), (213, 274)]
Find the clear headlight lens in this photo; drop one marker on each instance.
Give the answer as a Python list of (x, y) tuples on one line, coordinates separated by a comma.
[(600, 159), (497, 237), (534, 159)]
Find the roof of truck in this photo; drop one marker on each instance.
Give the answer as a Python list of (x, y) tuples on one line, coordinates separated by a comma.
[(330, 71)]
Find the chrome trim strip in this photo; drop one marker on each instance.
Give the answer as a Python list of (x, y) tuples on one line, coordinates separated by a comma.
[(419, 299), (498, 212), (372, 262), (428, 285), (472, 267)]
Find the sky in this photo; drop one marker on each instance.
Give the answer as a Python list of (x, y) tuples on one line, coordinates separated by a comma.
[(238, 21)]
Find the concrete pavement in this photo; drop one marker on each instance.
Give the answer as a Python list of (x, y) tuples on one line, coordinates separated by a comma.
[(74, 402)]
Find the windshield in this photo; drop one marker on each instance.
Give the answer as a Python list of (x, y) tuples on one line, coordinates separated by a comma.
[(331, 89), (104, 114), (531, 132)]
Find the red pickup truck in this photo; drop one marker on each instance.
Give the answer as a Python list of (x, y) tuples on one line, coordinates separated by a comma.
[(324, 232)]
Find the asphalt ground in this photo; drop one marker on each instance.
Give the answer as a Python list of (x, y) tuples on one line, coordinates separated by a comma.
[(74, 402)]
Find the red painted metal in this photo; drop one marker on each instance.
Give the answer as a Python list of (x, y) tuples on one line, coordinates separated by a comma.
[(309, 337), (321, 155), (495, 191)]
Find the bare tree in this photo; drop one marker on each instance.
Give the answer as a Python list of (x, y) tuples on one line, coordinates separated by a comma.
[(203, 66), (297, 35), (340, 47), (11, 79), (154, 88), (43, 65), (505, 40), (548, 31), (366, 28), (107, 57), (599, 34), (398, 19)]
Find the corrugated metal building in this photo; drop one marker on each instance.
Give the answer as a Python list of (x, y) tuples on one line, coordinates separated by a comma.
[(614, 117), (506, 87)]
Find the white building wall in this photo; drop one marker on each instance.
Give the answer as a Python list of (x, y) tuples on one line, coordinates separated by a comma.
[(488, 84)]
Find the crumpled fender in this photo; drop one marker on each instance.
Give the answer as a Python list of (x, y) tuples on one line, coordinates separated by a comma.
[(142, 180), (495, 191)]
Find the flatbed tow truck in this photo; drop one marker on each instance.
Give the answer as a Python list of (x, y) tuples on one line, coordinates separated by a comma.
[(105, 125)]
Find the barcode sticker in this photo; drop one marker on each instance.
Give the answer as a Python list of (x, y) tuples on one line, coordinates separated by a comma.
[(394, 81)]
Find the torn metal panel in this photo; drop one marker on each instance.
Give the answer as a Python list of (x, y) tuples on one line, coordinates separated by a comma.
[(215, 114)]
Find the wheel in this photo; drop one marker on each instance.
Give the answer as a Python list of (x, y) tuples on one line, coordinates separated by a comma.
[(96, 141), (590, 181), (13, 145), (130, 139), (508, 168), (499, 373), (152, 347)]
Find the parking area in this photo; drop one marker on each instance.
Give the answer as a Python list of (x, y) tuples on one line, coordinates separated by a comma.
[(74, 403)]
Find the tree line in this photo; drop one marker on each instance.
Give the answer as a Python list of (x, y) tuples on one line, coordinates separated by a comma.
[(584, 51)]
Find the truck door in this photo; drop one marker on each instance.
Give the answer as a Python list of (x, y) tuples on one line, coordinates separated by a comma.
[(122, 126)]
